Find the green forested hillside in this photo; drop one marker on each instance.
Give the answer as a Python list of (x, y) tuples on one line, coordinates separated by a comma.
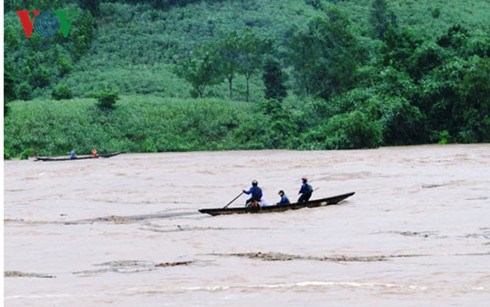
[(138, 45), (357, 73)]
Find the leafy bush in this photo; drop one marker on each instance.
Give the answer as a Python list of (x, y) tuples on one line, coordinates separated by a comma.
[(149, 146), (402, 122), (436, 12), (24, 155), (280, 124), (139, 123), (346, 131), (24, 91), (61, 91), (106, 99), (6, 154), (444, 137), (274, 80)]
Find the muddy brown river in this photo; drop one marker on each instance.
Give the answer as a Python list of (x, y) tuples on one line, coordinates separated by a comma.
[(126, 231)]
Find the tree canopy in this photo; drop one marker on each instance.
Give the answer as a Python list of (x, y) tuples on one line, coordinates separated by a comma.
[(322, 74)]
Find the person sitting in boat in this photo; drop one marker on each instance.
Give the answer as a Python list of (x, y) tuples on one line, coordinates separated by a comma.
[(284, 199), (94, 153), (73, 154), (256, 194), (305, 191)]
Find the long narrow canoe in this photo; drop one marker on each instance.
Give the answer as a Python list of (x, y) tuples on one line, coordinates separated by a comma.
[(278, 208), (49, 159)]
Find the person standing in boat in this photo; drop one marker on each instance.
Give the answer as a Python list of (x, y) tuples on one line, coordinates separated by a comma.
[(73, 154), (94, 153), (284, 199), (305, 191), (256, 194)]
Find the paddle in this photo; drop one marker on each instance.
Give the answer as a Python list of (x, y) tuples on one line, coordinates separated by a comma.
[(232, 200)]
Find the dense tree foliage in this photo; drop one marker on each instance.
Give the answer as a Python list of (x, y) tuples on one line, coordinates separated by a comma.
[(326, 55), (201, 70), (160, 4), (359, 73), (274, 80), (252, 51), (228, 49), (93, 6), (35, 65), (382, 19)]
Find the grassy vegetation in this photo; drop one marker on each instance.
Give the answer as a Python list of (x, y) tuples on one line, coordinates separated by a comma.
[(424, 79), (137, 124), (135, 46), (428, 18), (147, 123)]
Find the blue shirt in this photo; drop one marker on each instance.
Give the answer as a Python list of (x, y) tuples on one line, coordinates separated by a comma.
[(284, 200), (305, 188), (256, 193)]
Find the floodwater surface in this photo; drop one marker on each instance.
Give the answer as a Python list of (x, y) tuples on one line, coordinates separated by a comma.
[(126, 231)]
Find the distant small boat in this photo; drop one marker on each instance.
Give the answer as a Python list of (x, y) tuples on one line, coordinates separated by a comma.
[(49, 159), (278, 208)]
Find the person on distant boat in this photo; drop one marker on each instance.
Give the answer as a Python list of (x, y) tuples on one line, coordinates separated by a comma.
[(73, 154), (94, 153), (284, 199), (256, 194), (305, 191)]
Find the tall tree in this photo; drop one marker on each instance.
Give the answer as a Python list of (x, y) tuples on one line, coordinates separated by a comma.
[(302, 47), (326, 55), (274, 80), (228, 50), (239, 54), (200, 71), (252, 50)]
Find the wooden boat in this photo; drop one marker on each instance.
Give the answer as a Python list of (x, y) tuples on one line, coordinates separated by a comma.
[(50, 159), (278, 208)]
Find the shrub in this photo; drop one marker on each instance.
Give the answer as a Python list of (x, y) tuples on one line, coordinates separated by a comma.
[(24, 91), (149, 145), (26, 154), (107, 99), (274, 80), (436, 12), (6, 154), (402, 122), (346, 131), (444, 137), (281, 126), (61, 91)]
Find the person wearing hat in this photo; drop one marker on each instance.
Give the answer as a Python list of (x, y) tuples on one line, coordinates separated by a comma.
[(256, 194), (284, 198), (305, 191)]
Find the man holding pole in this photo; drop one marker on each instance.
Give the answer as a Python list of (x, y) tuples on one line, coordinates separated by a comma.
[(256, 194)]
